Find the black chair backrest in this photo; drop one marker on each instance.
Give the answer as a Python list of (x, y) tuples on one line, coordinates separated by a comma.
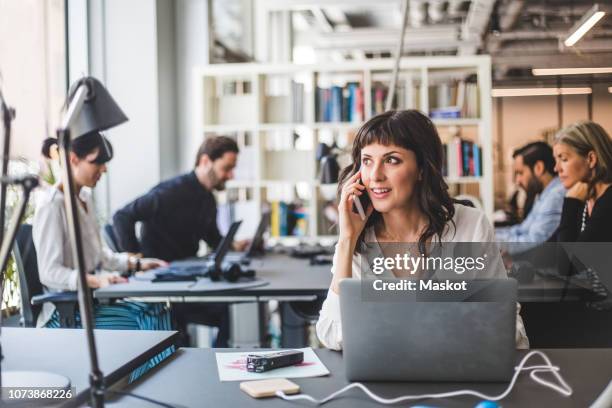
[(27, 267), (110, 238)]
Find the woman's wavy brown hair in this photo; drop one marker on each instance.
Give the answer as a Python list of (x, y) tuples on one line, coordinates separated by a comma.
[(413, 131)]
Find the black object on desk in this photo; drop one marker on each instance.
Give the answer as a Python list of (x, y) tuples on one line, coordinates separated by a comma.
[(213, 267), (260, 363), (308, 251)]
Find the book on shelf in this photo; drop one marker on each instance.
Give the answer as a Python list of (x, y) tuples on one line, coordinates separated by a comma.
[(462, 158), (455, 100), (288, 219), (233, 96), (235, 87), (287, 106), (297, 98), (339, 104), (405, 96)]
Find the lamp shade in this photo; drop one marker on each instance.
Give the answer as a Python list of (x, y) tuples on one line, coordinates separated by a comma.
[(330, 170), (99, 111)]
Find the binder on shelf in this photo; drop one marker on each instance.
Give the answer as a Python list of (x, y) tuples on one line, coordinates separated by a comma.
[(287, 219), (339, 104), (462, 158)]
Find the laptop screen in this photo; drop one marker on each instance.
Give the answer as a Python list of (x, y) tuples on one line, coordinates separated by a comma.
[(258, 237), (226, 243)]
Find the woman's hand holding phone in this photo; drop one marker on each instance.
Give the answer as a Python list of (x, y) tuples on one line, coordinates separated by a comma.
[(350, 226), (351, 223)]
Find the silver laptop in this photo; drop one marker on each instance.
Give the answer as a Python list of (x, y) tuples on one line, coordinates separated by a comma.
[(432, 339)]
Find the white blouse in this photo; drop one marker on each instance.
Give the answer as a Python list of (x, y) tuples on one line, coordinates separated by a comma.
[(56, 267), (471, 225)]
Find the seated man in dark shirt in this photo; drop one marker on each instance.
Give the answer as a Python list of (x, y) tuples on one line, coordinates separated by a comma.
[(176, 214)]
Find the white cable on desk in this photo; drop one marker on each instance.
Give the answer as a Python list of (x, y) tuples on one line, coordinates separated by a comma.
[(563, 389)]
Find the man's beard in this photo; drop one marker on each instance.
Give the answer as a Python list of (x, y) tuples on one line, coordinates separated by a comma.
[(534, 187), (216, 183)]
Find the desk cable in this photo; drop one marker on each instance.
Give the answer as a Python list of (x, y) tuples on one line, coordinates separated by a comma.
[(562, 387)]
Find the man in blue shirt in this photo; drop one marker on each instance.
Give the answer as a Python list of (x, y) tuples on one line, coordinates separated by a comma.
[(534, 170)]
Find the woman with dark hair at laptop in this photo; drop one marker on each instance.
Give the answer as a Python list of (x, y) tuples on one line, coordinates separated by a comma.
[(397, 163), (57, 271), (583, 154)]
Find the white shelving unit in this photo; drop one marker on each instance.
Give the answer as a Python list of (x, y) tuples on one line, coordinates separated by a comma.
[(258, 111)]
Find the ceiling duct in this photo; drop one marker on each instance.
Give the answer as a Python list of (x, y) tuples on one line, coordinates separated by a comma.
[(417, 12), (436, 10)]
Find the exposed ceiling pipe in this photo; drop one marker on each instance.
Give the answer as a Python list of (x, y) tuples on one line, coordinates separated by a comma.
[(436, 10), (494, 43), (454, 7), (417, 12), (322, 20), (338, 18), (475, 24), (510, 15)]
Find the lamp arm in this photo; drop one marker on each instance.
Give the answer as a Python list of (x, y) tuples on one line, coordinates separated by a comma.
[(96, 378), (29, 183), (8, 114)]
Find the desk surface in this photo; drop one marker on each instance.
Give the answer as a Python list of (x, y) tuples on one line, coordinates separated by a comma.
[(287, 276), (64, 351), (190, 379)]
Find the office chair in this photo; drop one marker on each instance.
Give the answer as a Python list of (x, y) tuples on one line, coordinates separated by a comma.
[(32, 293), (296, 316), (110, 238)]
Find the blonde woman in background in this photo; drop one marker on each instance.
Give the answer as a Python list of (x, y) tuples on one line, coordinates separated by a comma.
[(583, 154)]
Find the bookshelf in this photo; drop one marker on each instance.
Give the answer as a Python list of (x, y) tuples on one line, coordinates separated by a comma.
[(278, 114)]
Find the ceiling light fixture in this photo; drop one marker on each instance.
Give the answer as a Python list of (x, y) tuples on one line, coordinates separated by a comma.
[(506, 92), (571, 71), (583, 25)]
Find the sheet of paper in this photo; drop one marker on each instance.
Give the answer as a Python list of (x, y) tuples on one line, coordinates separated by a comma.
[(232, 367)]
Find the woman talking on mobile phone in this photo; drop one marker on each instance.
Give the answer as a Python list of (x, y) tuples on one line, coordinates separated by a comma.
[(397, 161)]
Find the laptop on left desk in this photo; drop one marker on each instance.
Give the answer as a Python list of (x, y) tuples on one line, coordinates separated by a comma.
[(193, 269)]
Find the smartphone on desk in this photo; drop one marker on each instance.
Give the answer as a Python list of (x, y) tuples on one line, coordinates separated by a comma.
[(360, 206)]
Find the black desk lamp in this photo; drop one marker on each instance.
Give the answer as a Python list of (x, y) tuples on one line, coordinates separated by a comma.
[(329, 169), (28, 183), (90, 108)]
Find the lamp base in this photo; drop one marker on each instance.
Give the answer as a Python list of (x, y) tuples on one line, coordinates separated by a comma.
[(13, 381)]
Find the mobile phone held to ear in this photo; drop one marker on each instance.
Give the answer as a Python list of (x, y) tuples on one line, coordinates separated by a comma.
[(361, 203)]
